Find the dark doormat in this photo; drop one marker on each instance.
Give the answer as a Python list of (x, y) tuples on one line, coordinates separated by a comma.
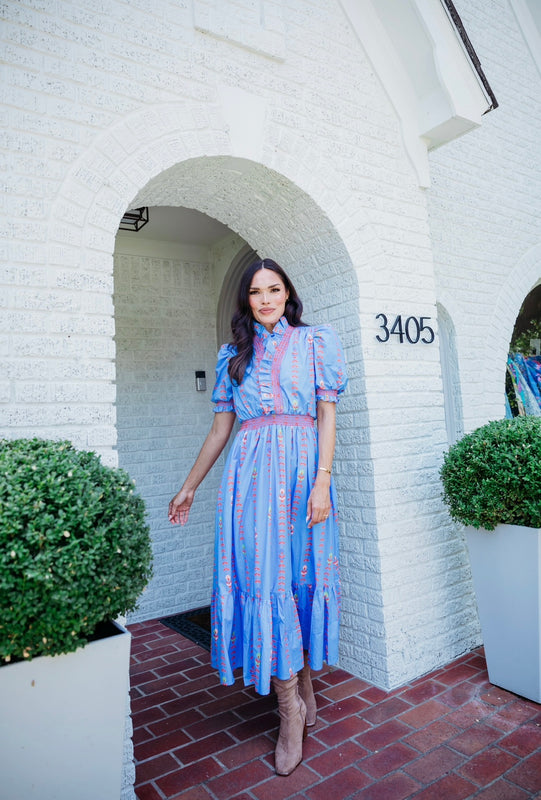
[(194, 625)]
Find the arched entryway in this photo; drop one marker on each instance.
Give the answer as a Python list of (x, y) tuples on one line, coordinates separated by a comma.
[(277, 206), (176, 309), (523, 388), (524, 277)]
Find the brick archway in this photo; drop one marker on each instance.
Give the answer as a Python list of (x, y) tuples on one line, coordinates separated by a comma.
[(181, 155), (276, 219), (521, 280)]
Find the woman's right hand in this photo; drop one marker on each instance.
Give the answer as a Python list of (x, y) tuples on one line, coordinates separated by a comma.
[(179, 507)]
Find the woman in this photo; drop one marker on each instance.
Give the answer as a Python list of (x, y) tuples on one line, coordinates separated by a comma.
[(276, 593)]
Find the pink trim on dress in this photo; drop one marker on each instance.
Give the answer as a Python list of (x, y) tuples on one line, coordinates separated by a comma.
[(294, 420), (328, 395), (275, 369)]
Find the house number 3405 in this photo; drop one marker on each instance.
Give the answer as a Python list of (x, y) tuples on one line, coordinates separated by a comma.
[(414, 329)]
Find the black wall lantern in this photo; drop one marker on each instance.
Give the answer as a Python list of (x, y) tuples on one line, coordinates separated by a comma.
[(134, 219)]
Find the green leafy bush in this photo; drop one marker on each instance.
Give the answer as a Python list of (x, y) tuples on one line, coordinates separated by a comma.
[(493, 475), (74, 547), (520, 343)]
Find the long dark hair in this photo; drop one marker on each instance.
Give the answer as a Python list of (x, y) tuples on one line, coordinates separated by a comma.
[(242, 322)]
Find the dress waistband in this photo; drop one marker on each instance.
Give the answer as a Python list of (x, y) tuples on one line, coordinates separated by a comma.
[(293, 420)]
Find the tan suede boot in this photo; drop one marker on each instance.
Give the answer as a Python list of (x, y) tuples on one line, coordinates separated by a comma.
[(288, 753), (306, 691)]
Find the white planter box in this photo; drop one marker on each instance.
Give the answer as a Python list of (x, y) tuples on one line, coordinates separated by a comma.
[(506, 566), (62, 722)]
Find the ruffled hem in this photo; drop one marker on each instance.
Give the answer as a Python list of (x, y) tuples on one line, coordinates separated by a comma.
[(262, 636), (319, 617), (268, 637)]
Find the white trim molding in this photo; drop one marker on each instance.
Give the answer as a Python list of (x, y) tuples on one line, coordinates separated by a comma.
[(420, 58)]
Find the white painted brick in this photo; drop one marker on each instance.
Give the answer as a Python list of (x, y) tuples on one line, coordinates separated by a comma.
[(92, 118), (5, 391), (154, 331), (495, 228)]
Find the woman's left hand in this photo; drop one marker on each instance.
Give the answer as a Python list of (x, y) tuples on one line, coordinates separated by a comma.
[(319, 504)]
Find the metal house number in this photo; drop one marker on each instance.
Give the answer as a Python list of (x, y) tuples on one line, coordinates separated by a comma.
[(414, 329)]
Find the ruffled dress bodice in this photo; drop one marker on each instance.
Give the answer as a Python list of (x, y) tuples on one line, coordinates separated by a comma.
[(291, 369)]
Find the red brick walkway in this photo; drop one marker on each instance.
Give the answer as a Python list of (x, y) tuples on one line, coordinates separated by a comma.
[(448, 736)]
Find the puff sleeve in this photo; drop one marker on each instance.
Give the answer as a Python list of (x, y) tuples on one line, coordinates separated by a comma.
[(330, 364), (222, 394)]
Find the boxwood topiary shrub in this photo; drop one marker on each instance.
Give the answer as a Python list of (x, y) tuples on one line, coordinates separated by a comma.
[(74, 547), (493, 475)]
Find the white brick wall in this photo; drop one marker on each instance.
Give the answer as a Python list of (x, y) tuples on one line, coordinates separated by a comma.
[(109, 106), (485, 210), (165, 331)]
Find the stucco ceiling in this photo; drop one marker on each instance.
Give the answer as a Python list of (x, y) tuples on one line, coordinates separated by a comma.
[(186, 225)]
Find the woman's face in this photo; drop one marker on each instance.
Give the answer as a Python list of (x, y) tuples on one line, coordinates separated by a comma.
[(267, 297)]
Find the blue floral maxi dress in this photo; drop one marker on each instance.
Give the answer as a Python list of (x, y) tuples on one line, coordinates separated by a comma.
[(276, 587)]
